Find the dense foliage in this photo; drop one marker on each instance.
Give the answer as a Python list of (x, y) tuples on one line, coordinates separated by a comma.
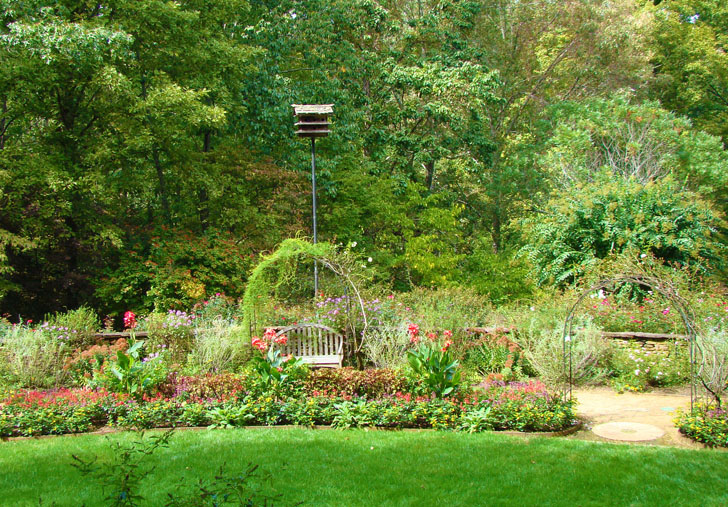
[(147, 154)]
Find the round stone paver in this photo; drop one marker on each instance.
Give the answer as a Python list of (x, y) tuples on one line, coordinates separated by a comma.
[(628, 431)]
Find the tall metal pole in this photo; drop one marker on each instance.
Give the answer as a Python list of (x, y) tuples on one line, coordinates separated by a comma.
[(313, 186)]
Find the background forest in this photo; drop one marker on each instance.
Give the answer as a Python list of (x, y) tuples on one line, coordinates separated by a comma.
[(148, 156)]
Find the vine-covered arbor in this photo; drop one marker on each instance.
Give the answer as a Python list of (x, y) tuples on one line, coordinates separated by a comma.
[(653, 282), (282, 267)]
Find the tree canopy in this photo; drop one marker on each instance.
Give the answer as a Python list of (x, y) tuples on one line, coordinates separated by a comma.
[(147, 154)]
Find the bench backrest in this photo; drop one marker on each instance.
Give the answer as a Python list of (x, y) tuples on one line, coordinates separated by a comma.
[(316, 344)]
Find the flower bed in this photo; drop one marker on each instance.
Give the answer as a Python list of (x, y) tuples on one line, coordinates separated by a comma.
[(706, 424), (500, 406)]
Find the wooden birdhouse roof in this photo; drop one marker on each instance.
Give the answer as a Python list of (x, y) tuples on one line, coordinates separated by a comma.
[(299, 109)]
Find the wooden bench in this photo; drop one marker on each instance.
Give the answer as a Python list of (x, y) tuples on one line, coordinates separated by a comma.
[(316, 344)]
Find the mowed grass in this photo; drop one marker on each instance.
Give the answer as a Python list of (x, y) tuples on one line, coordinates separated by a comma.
[(319, 467)]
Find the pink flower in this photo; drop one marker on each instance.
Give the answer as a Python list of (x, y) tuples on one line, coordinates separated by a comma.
[(432, 336), (391, 296), (447, 333), (129, 320), (665, 311)]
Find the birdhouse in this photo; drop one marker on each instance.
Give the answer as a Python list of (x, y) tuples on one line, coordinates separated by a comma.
[(313, 119)]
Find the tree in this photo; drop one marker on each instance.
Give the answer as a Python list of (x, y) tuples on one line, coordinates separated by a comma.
[(544, 52), (689, 42)]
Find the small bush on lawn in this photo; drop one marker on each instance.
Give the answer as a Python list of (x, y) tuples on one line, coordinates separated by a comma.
[(706, 424)]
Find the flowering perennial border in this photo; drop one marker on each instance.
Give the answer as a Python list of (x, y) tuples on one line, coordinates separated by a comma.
[(515, 406)]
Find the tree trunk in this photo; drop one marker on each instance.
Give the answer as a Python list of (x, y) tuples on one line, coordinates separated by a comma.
[(495, 231), (162, 186), (202, 196), (430, 178), (3, 121)]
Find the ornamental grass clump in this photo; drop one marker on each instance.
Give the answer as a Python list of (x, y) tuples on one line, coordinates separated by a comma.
[(217, 345), (35, 357)]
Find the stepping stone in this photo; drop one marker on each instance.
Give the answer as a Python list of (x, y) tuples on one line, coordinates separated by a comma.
[(628, 431)]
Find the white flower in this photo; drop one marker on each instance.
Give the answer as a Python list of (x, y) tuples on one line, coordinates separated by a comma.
[(643, 256), (353, 244), (369, 259), (533, 309), (567, 338), (636, 372)]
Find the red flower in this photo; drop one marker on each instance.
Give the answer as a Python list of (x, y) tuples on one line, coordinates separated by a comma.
[(432, 336), (281, 340), (259, 344), (413, 330), (129, 320), (447, 333), (446, 346)]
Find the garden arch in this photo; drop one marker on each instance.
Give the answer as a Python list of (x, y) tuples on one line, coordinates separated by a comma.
[(290, 252), (655, 284)]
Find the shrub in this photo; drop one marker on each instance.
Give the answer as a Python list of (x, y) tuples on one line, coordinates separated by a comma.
[(636, 369), (78, 325), (172, 330), (543, 347), (492, 355), (371, 383), (712, 347), (706, 423), (34, 357), (611, 217), (612, 312), (82, 364), (210, 386)]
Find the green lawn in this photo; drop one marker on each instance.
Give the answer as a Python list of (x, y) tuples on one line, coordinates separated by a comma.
[(359, 467)]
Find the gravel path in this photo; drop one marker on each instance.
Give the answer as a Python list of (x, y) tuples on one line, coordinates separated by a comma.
[(599, 405)]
